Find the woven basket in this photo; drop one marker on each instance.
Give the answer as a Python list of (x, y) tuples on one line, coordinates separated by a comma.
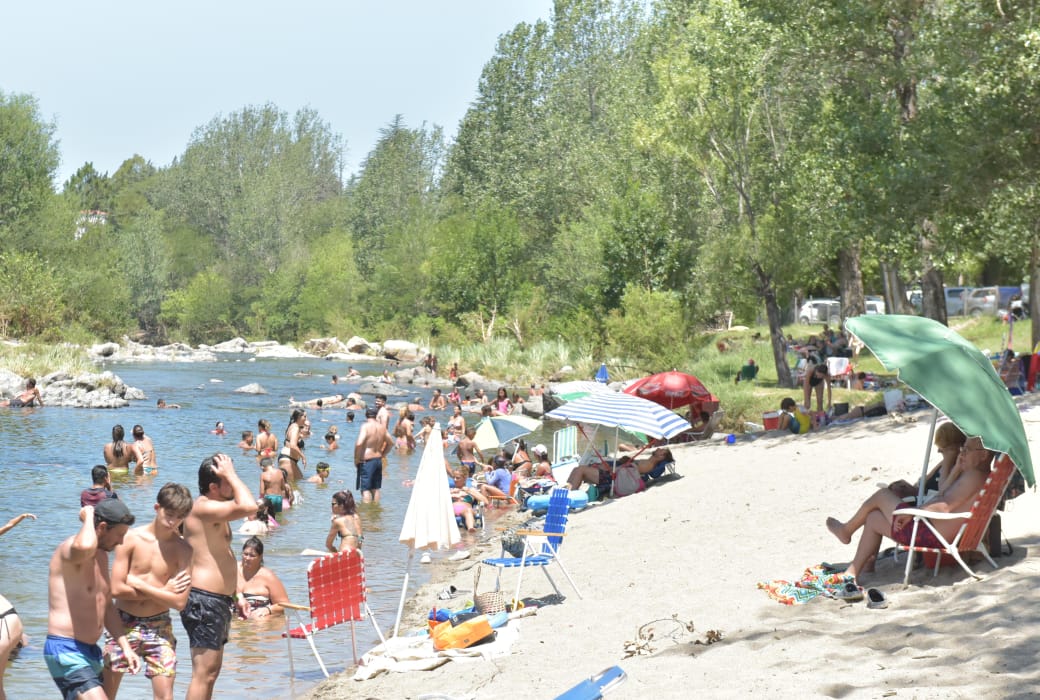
[(489, 603)]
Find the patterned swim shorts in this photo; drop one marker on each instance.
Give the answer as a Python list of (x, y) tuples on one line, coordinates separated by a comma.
[(152, 638)]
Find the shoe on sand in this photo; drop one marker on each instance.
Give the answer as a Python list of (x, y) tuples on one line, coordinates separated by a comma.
[(459, 555), (851, 593), (448, 593), (877, 599), (425, 559)]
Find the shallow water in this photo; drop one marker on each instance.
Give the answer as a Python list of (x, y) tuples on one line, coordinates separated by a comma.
[(47, 459)]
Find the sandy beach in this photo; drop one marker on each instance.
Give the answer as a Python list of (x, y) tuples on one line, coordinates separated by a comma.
[(694, 549)]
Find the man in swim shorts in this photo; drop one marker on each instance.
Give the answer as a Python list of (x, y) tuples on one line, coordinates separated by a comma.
[(151, 573), (223, 497), (80, 602), (468, 452), (373, 442), (272, 485)]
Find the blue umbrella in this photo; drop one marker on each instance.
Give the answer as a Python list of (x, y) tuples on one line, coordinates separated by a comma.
[(617, 410), (601, 375)]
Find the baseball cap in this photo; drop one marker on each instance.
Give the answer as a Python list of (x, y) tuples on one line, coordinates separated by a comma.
[(371, 412), (540, 450), (114, 512), (501, 461)]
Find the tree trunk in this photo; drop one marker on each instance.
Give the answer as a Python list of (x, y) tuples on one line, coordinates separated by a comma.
[(776, 331), (933, 298), (1034, 289), (850, 279)]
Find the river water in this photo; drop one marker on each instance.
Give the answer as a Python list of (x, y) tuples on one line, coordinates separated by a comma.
[(48, 454)]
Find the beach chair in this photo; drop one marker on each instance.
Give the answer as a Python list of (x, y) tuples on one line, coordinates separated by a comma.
[(336, 586), (710, 427), (970, 535), (839, 369), (565, 453), (800, 368), (541, 547)]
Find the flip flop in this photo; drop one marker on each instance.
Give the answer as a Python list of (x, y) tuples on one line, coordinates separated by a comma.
[(851, 593), (877, 599), (448, 593)]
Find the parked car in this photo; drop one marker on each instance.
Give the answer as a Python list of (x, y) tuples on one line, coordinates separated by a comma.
[(955, 299), (821, 311), (874, 306), (986, 301)]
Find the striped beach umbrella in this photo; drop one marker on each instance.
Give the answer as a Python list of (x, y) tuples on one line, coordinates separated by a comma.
[(617, 410)]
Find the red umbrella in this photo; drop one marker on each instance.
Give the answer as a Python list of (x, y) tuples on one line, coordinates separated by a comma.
[(672, 390)]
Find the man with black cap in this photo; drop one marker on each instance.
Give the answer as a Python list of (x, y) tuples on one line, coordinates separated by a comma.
[(80, 601), (373, 441)]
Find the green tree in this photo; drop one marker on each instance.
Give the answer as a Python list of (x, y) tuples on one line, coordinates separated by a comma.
[(28, 159)]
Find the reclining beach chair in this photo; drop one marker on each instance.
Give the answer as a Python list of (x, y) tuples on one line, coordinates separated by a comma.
[(565, 453), (970, 535), (336, 585), (710, 427), (839, 369), (541, 547)]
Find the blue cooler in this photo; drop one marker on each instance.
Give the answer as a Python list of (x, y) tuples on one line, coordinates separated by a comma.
[(576, 500)]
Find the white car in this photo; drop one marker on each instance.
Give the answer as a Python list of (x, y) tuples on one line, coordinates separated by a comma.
[(820, 311)]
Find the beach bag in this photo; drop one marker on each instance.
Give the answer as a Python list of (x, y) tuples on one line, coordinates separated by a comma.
[(448, 635), (627, 480), (489, 603), (513, 543)]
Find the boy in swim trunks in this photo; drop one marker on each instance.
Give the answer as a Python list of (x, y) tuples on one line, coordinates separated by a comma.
[(272, 485), (151, 573), (80, 603)]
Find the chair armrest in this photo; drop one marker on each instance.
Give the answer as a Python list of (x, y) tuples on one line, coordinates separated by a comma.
[(293, 606), (931, 514), (539, 533)]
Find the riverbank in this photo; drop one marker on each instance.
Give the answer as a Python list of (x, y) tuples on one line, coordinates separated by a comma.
[(695, 548)]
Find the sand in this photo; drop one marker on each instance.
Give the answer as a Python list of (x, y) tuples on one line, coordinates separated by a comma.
[(694, 548)]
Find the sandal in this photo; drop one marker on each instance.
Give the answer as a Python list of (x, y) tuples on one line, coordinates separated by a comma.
[(448, 593), (877, 601)]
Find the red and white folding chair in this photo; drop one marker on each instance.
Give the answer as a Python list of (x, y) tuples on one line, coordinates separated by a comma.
[(336, 586)]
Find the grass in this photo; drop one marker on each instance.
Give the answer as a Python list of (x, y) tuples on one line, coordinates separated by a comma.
[(37, 359)]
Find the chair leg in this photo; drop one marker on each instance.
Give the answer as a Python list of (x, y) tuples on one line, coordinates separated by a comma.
[(372, 617), (353, 641), (567, 575), (310, 640), (545, 570), (288, 645)]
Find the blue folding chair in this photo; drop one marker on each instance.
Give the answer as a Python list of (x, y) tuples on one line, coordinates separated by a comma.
[(541, 547)]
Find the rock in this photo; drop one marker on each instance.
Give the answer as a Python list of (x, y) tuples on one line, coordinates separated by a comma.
[(235, 345), (250, 389), (403, 350), (323, 346), (281, 352), (373, 388), (103, 350), (533, 406), (359, 345)]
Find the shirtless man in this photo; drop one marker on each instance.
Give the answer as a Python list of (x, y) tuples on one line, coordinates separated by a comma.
[(437, 401), (373, 442), (26, 399), (151, 574), (272, 485), (384, 412), (214, 572), (468, 452), (148, 463), (79, 602)]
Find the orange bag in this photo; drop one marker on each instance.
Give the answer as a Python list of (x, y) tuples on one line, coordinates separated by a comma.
[(465, 634)]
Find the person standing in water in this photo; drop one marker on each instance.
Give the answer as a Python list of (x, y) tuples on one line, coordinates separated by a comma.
[(151, 574), (223, 498), (373, 443), (119, 454), (79, 602), (148, 464)]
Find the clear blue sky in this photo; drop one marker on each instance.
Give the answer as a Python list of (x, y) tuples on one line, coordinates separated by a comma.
[(120, 77)]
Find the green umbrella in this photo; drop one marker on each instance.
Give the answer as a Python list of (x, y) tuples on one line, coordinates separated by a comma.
[(952, 375)]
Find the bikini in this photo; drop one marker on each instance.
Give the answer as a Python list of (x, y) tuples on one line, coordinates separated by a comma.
[(6, 624)]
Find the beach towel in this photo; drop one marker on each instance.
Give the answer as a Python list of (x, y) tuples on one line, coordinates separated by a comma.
[(815, 581)]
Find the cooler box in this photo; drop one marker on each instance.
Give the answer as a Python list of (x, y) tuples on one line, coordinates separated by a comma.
[(576, 500), (771, 420)]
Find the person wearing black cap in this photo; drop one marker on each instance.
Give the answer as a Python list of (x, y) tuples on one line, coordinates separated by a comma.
[(80, 601), (373, 442)]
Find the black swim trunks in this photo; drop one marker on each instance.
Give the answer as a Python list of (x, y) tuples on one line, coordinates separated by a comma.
[(370, 475), (207, 619)]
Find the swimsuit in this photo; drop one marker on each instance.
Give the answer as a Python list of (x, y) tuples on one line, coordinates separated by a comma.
[(207, 619), (471, 466), (18, 403), (925, 536), (75, 666), (275, 502), (152, 638), (6, 625), (370, 475), (257, 600)]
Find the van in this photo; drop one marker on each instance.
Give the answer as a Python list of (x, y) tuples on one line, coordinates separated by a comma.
[(820, 311), (986, 301), (955, 298)]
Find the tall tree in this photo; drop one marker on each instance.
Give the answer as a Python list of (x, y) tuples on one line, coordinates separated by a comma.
[(28, 159)]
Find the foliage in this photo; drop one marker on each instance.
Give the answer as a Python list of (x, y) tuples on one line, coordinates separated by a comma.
[(28, 159), (648, 328)]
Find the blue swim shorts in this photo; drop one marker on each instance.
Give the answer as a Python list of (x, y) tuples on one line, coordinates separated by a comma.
[(370, 475), (75, 666)]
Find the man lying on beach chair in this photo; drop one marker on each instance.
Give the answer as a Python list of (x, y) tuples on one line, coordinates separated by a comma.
[(602, 475)]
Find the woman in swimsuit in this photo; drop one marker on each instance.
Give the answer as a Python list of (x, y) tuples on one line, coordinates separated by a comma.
[(503, 406), (404, 437), (148, 464), (457, 422), (260, 586), (292, 448), (119, 454), (521, 460), (266, 442), (465, 498), (10, 624), (27, 399), (815, 379), (346, 523)]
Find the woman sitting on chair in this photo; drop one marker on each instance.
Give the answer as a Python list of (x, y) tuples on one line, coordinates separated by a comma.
[(882, 518)]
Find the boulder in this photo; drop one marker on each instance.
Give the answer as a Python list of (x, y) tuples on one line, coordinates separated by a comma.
[(534, 407), (324, 346), (358, 345), (235, 345), (103, 350), (403, 350), (373, 388), (250, 389), (281, 352)]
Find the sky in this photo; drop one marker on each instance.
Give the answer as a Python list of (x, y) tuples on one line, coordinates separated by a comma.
[(119, 77)]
